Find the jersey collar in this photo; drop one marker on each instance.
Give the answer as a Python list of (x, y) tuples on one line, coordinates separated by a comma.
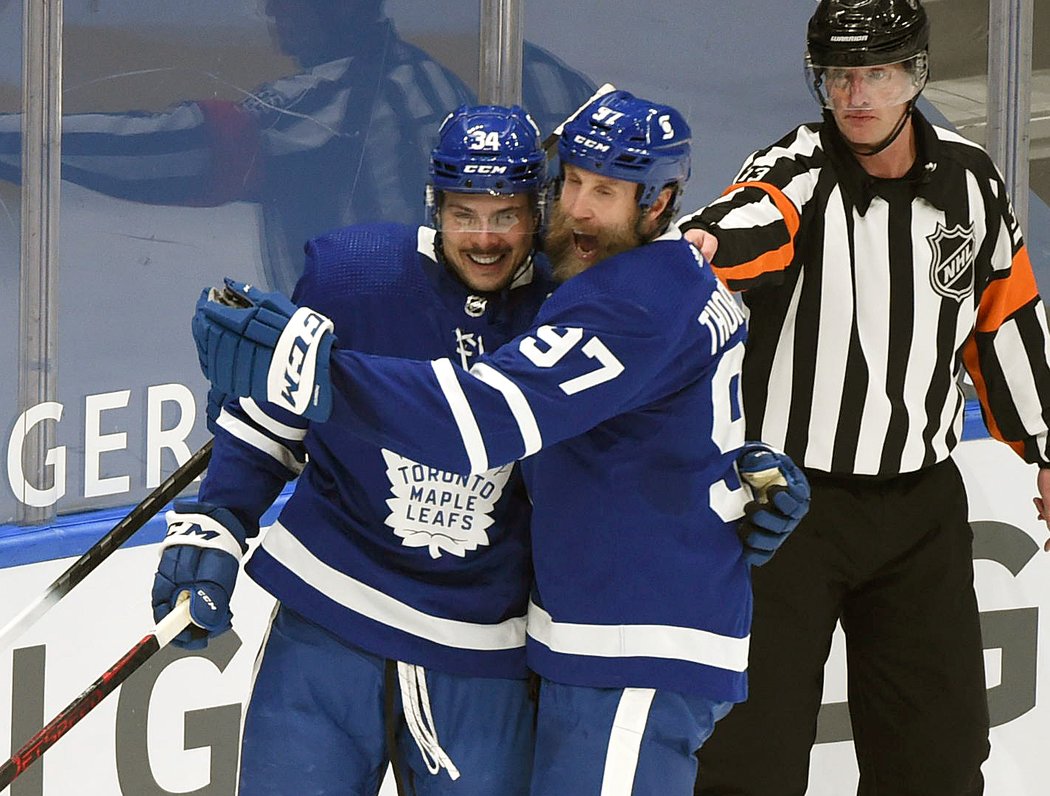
[(927, 176)]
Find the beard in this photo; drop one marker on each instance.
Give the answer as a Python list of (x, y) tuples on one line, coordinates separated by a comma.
[(561, 241)]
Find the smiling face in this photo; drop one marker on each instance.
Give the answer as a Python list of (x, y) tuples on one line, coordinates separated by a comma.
[(596, 217), (486, 238)]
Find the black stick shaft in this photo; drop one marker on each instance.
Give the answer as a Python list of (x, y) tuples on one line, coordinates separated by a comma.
[(104, 547)]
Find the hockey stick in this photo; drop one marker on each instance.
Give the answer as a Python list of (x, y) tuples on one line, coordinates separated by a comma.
[(552, 139), (169, 627), (101, 550)]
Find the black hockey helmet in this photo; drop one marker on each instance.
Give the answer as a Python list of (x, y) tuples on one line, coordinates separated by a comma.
[(867, 32)]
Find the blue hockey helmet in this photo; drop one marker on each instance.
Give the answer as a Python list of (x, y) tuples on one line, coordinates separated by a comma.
[(488, 149), (622, 136)]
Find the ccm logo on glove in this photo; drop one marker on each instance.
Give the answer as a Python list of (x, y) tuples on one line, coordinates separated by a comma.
[(207, 599), (185, 529), (294, 361)]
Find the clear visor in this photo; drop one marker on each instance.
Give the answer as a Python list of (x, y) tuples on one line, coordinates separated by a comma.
[(842, 88), (504, 222)]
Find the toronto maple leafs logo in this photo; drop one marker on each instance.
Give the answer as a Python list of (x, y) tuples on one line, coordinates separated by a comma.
[(951, 264), (441, 511)]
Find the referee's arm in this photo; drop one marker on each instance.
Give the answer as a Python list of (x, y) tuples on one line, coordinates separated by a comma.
[(754, 225), (1007, 357)]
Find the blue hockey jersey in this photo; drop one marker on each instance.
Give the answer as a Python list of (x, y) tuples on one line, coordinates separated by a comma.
[(407, 561), (623, 401)]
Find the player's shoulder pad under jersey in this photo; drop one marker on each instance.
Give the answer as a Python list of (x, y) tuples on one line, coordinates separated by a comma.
[(358, 260)]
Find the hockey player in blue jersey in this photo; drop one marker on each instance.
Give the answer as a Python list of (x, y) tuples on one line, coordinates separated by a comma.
[(622, 401), (402, 589)]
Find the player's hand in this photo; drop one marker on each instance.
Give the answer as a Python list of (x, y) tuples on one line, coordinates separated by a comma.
[(781, 500), (263, 346), (1042, 502), (703, 240), (200, 556)]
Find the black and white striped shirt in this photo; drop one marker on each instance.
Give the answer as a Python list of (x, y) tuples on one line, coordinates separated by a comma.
[(867, 298)]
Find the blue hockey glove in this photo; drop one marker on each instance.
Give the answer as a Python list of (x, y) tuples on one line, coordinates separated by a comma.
[(781, 500), (261, 345), (201, 555)]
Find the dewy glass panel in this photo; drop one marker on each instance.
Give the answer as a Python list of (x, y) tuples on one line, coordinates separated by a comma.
[(206, 139), (1039, 131), (736, 77), (958, 90), (10, 231)]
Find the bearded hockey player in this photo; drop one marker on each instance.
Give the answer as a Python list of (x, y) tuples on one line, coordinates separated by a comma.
[(623, 402)]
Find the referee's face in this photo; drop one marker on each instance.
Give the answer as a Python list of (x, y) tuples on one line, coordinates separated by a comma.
[(868, 101)]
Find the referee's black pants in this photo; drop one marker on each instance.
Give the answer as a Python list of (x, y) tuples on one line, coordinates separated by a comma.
[(892, 559)]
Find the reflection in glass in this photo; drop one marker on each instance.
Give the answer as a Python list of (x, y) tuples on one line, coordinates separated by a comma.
[(192, 149), (343, 140)]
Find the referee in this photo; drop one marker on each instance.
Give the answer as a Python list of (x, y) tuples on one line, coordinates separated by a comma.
[(878, 256)]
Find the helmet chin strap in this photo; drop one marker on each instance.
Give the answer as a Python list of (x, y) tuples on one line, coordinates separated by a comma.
[(867, 151)]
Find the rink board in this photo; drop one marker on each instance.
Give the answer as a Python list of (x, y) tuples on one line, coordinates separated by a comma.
[(173, 728)]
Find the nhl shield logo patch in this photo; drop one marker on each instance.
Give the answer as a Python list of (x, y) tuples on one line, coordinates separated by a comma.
[(951, 264), (475, 306)]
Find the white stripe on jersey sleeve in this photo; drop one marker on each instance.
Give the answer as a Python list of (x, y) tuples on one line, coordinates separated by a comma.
[(258, 416), (1013, 360), (804, 144), (256, 439), (753, 214), (461, 412), (519, 406), (638, 641), (179, 119)]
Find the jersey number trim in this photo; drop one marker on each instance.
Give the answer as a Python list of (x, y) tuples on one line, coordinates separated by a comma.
[(559, 343)]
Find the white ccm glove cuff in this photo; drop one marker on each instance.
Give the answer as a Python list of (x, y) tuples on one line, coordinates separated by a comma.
[(199, 530), (291, 380)]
